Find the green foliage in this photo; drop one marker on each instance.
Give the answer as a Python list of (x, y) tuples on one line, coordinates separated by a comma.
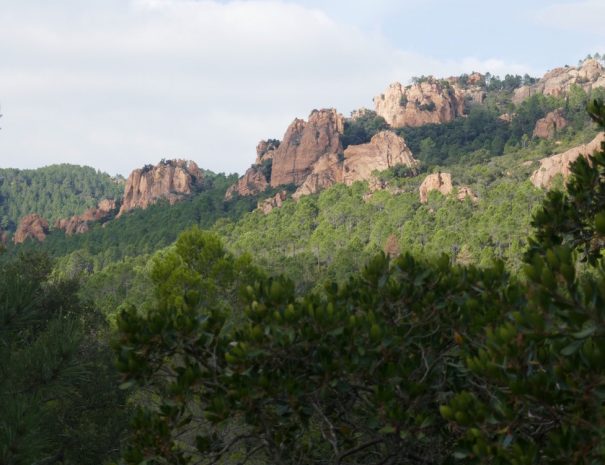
[(145, 231), (359, 130), (410, 362), (50, 352), (57, 191)]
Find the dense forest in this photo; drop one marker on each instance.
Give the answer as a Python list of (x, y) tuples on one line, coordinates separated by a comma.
[(353, 326), (54, 192)]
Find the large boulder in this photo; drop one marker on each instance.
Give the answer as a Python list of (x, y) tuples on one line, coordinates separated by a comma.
[(172, 180), (304, 143), (550, 125), (32, 226), (441, 182), (427, 102), (559, 164)]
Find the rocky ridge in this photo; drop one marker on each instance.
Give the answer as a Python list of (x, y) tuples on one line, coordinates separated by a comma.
[(589, 75), (554, 165), (79, 224), (172, 180), (31, 226)]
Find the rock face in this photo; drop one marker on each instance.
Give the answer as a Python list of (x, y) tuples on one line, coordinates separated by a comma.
[(547, 127), (385, 150), (172, 180), (589, 75), (427, 102), (31, 226), (559, 164), (266, 206), (326, 172), (79, 224), (252, 182), (304, 143), (441, 182)]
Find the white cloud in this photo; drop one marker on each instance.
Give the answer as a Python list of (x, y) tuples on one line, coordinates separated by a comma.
[(582, 16), (122, 84)]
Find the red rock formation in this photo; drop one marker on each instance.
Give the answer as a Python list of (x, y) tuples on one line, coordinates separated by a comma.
[(589, 75), (251, 183), (441, 182), (303, 144), (266, 206), (265, 150), (391, 247), (326, 172), (427, 102), (559, 164), (385, 150), (172, 180), (547, 127), (79, 224), (31, 226)]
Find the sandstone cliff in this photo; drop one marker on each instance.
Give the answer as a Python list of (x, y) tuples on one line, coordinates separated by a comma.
[(385, 150), (172, 180), (253, 182), (79, 224), (589, 75), (559, 164), (426, 102), (547, 127), (304, 143), (31, 226)]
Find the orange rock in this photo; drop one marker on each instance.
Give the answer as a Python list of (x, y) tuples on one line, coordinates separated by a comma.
[(559, 164), (31, 226), (172, 180), (441, 182), (547, 127)]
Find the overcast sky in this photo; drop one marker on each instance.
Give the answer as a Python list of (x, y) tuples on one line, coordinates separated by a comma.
[(116, 84)]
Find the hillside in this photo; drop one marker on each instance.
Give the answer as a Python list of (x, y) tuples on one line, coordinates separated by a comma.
[(53, 192)]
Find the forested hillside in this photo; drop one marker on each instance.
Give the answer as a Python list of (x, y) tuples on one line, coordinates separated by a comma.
[(54, 192), (445, 309)]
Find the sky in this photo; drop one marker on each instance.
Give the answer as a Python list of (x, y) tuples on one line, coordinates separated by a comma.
[(117, 84)]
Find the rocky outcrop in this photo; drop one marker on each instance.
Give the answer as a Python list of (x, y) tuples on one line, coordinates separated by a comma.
[(253, 182), (391, 246), (550, 125), (79, 224), (589, 75), (4, 236), (304, 143), (427, 102), (385, 150), (441, 182), (31, 226), (265, 150), (172, 180), (267, 205), (559, 164)]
